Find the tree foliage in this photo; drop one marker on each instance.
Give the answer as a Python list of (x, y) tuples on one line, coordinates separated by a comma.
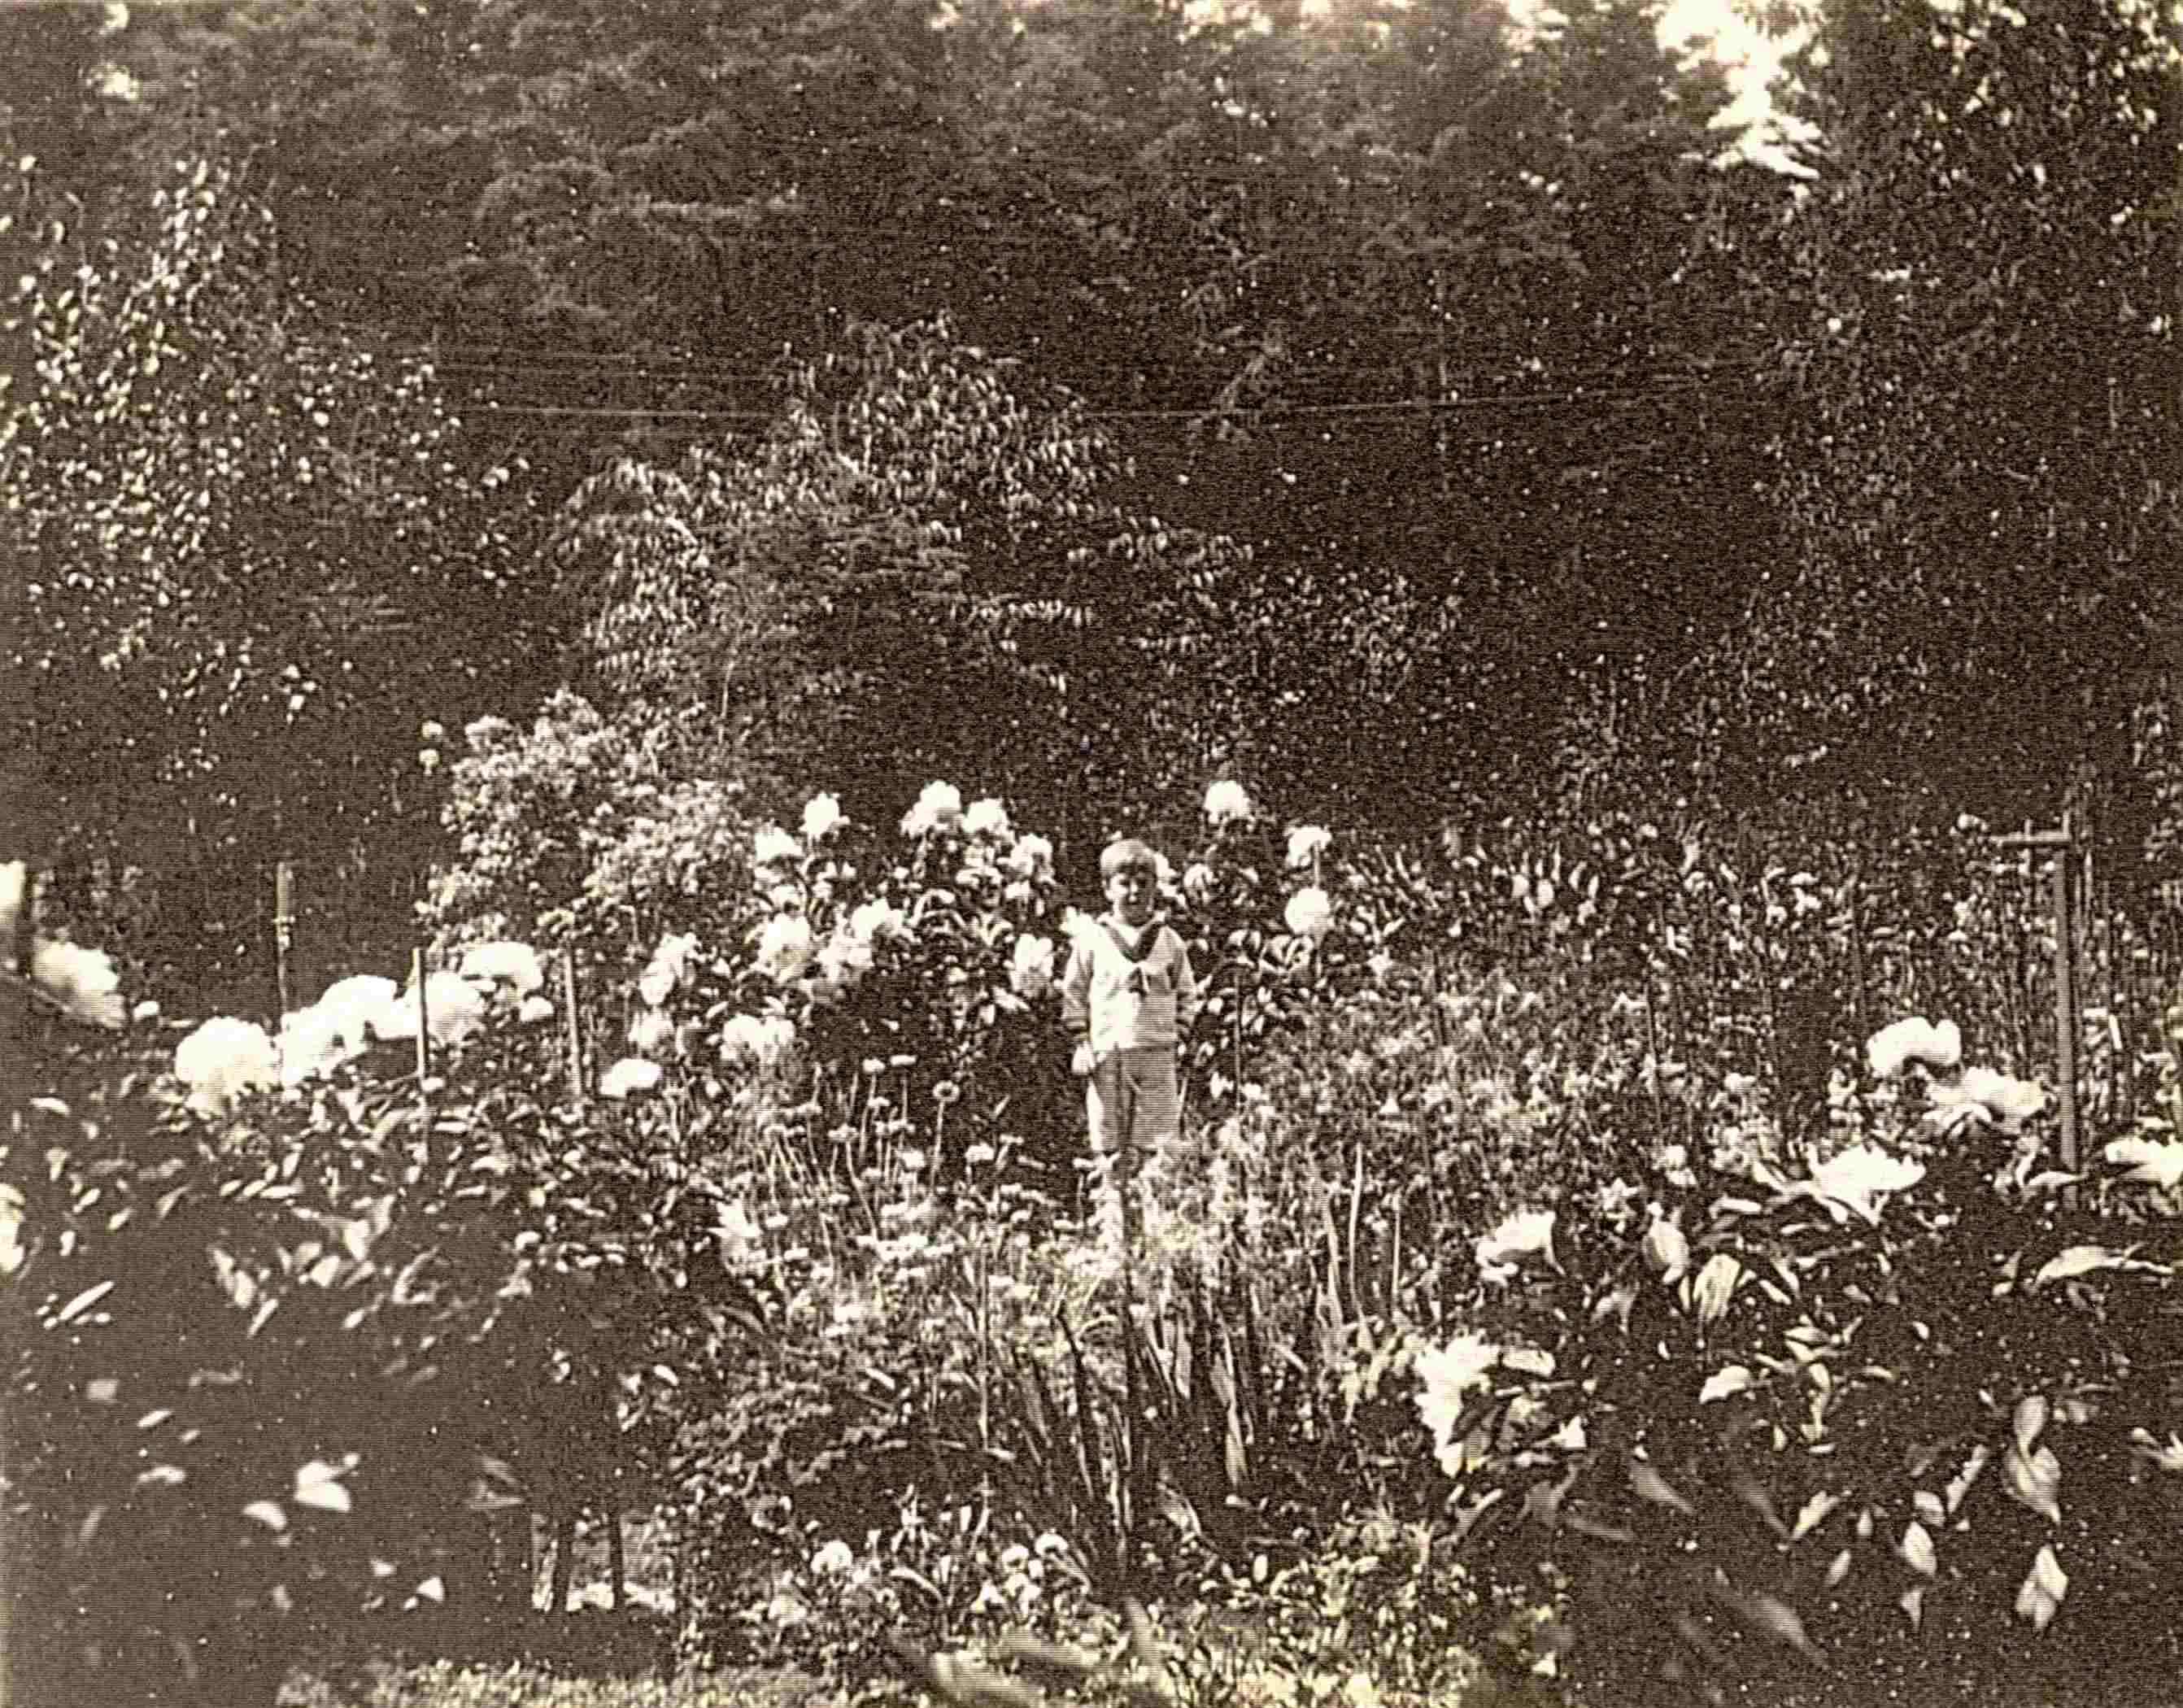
[(252, 549), (1981, 504), (918, 572)]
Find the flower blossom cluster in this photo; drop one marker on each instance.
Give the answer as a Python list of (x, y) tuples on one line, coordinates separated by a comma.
[(1030, 967), (225, 1058), (939, 807), (748, 1040), (822, 817), (1225, 803)]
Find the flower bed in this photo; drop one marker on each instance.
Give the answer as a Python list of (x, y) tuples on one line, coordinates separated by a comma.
[(1527, 1279)]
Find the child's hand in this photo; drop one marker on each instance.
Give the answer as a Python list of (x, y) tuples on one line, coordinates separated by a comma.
[(1082, 1063)]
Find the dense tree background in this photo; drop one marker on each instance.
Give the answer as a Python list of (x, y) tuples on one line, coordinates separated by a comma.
[(1423, 414)]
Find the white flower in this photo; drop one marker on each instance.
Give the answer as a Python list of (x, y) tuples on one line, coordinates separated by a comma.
[(773, 846), (454, 1009), (842, 963), (740, 1243), (2156, 1165), (11, 1229), (144, 1010), (939, 807), (1446, 1374), (1307, 843), (484, 734), (312, 1043), (1225, 803), (1310, 914), (2008, 1100), (746, 1038), (514, 964), (988, 818), (833, 1559), (223, 1058), (1031, 857), (875, 920), (1527, 1233), (534, 1009), (784, 947), (1197, 882), (361, 1006), (1858, 1178), (82, 981), (14, 884), (650, 1030), (631, 1074), (822, 817), (668, 969), (1078, 926), (432, 729), (1893, 1048), (1031, 968)]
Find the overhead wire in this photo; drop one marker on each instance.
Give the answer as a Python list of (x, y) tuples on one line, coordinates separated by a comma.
[(1272, 411)]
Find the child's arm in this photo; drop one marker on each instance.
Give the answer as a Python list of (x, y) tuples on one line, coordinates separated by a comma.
[(1076, 1001), (1185, 991)]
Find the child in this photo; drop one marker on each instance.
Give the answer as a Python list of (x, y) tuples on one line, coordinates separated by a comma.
[(1129, 995)]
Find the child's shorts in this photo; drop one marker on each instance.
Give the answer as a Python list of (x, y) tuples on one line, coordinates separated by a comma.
[(1134, 1103)]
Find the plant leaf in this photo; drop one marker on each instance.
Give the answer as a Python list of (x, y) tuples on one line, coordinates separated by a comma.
[(1650, 1486), (82, 1302), (319, 1484), (1735, 1378), (2034, 1479), (1813, 1509), (2044, 1586)]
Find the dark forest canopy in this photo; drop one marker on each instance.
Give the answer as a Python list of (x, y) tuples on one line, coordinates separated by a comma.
[(1567, 448)]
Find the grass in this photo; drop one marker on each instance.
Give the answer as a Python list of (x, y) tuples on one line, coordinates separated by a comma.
[(535, 1684)]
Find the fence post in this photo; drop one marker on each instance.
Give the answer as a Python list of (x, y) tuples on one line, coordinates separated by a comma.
[(574, 1027), (2065, 1003), (284, 929), (2059, 845), (424, 1047)]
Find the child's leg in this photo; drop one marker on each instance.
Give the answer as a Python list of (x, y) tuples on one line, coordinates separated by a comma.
[(1111, 1101), (1157, 1099)]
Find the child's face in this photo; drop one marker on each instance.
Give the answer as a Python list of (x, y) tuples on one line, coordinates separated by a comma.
[(1132, 889)]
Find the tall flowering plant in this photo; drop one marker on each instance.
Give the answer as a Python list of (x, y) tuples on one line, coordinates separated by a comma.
[(1868, 1418)]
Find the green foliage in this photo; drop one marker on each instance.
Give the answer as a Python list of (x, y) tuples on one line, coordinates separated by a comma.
[(244, 555), (1811, 1438), (572, 833), (1987, 283), (922, 568), (269, 1376)]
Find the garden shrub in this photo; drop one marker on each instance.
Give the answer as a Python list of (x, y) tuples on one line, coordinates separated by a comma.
[(273, 1353), (1873, 1421), (1509, 1125)]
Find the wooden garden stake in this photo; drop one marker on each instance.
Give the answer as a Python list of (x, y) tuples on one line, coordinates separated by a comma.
[(575, 1031), (423, 1046), (2059, 845), (284, 928)]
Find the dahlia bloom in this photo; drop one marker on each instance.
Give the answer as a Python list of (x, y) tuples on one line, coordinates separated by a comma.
[(940, 807)]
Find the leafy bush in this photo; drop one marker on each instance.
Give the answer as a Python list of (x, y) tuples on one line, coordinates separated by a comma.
[(275, 1354), (1881, 1417)]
